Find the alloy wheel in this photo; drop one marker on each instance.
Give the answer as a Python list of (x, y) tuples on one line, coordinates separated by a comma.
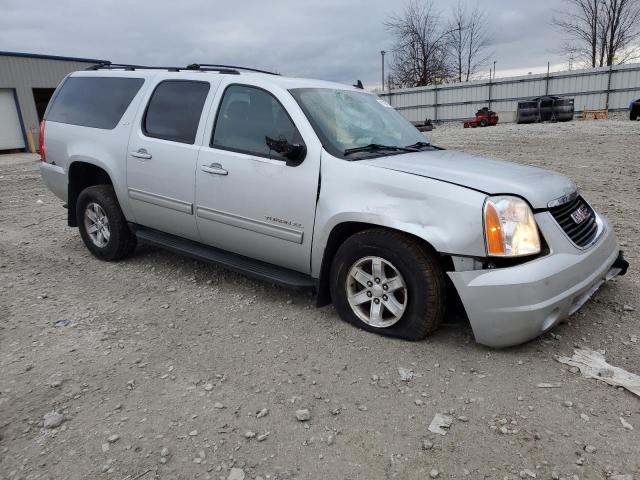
[(376, 291), (96, 224)]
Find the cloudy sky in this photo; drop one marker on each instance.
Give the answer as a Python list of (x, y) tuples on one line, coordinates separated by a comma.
[(329, 39)]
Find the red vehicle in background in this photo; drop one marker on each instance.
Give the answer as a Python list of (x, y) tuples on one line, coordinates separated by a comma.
[(484, 118)]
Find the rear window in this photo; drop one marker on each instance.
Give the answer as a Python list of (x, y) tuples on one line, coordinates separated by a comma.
[(174, 110), (97, 102)]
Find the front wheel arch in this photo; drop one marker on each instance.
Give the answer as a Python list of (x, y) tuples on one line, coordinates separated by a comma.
[(373, 259), (342, 232)]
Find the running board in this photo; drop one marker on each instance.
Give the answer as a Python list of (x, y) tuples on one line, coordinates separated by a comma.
[(231, 261)]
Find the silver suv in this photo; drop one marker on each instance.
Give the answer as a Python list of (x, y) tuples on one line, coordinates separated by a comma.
[(313, 184)]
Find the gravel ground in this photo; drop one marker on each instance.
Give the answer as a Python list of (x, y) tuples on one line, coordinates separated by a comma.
[(163, 367)]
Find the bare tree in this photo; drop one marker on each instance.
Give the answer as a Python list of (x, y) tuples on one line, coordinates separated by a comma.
[(623, 29), (580, 22), (468, 41), (420, 51), (603, 32)]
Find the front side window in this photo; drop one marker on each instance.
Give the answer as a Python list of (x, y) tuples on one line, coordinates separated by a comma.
[(175, 109), (346, 119), (247, 117), (97, 102)]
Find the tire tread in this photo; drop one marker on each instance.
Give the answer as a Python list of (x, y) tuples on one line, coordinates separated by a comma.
[(427, 264), (125, 240)]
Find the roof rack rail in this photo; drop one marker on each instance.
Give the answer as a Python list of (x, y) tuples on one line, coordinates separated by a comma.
[(218, 67), (131, 68), (213, 68), (204, 67), (128, 67)]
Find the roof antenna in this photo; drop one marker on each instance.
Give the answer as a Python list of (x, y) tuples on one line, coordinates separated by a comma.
[(359, 85)]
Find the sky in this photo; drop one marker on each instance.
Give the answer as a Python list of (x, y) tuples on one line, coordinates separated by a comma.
[(338, 40)]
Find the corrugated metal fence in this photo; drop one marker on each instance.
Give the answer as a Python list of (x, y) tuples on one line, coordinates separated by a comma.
[(602, 87)]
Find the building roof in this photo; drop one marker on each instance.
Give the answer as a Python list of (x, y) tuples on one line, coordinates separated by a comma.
[(50, 57)]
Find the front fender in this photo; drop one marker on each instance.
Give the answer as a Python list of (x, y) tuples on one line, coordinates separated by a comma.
[(447, 216)]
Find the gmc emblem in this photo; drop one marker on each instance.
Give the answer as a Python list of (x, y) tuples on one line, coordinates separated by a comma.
[(580, 214)]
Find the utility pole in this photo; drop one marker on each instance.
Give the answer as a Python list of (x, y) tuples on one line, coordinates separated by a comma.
[(546, 88), (490, 82), (494, 69), (382, 52)]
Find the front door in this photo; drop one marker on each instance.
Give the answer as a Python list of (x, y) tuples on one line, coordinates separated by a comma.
[(162, 157), (249, 200)]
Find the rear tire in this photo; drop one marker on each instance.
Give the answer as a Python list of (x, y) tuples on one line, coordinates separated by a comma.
[(102, 225), (483, 122), (419, 305), (633, 116)]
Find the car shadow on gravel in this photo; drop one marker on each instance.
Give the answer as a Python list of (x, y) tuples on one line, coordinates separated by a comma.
[(455, 331)]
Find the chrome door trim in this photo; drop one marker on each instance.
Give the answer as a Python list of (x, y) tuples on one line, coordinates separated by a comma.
[(161, 201), (277, 231)]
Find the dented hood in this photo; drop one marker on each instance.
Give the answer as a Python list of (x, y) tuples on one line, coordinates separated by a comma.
[(486, 175)]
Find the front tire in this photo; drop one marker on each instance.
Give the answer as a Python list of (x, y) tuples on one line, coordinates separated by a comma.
[(102, 225), (388, 283)]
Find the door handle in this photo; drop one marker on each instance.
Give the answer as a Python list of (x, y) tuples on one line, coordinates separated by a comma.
[(141, 153), (214, 168)]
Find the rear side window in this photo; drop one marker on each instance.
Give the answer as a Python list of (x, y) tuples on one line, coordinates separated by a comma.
[(97, 102), (174, 110)]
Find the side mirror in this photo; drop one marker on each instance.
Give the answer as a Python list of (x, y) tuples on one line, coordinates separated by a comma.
[(293, 152)]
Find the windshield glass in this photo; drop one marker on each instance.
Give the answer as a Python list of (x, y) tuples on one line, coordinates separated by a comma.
[(346, 120)]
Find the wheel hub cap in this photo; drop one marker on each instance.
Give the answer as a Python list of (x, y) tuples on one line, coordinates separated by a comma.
[(376, 291), (96, 224)]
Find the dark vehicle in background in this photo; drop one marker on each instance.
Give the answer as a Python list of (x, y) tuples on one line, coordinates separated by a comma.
[(634, 110), (545, 109)]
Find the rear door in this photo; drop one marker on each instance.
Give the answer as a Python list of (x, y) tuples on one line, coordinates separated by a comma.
[(10, 129), (163, 152), (248, 199)]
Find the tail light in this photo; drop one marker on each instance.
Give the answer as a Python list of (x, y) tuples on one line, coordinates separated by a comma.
[(43, 152)]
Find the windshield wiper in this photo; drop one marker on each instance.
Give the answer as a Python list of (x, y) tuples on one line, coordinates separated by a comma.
[(419, 145), (372, 147)]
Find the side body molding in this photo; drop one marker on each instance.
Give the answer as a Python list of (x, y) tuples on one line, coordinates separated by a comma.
[(277, 231), (161, 201)]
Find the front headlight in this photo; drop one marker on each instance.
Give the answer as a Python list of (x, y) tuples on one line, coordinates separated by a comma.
[(509, 227)]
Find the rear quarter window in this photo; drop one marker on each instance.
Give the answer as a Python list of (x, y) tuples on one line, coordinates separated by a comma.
[(97, 102)]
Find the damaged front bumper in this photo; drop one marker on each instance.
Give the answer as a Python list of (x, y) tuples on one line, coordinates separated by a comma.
[(509, 306)]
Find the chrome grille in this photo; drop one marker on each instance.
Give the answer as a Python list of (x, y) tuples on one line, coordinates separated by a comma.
[(578, 220)]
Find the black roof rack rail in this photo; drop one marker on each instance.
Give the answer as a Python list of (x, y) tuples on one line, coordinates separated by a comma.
[(201, 67), (128, 67), (218, 67), (212, 68), (131, 68)]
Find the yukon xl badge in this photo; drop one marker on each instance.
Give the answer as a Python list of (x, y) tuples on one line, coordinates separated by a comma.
[(284, 222), (580, 214)]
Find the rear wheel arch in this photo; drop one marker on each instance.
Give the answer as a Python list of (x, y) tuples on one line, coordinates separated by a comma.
[(102, 225), (342, 232), (82, 175)]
